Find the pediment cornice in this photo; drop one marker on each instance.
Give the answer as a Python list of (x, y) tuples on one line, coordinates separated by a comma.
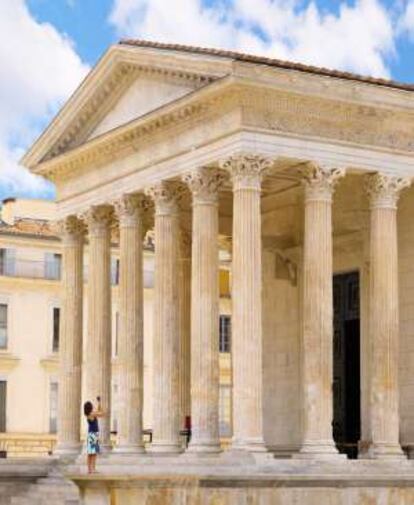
[(125, 139), (96, 95)]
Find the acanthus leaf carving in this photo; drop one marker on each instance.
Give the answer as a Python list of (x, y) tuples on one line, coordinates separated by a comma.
[(384, 190), (166, 196), (129, 208), (320, 181), (246, 170), (70, 228), (204, 183), (99, 218)]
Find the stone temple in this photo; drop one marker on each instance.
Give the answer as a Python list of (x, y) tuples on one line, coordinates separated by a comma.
[(304, 174)]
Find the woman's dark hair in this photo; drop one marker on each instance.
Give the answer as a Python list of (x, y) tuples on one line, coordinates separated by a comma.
[(87, 408)]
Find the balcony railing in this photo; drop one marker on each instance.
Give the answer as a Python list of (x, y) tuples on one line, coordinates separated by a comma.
[(31, 269), (51, 270)]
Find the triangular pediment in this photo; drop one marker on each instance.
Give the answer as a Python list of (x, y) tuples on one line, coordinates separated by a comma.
[(145, 94), (127, 84)]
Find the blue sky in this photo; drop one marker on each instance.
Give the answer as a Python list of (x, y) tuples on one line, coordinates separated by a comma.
[(56, 42)]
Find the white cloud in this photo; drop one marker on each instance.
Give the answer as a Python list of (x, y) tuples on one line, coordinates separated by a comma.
[(407, 20), (359, 38), (40, 68)]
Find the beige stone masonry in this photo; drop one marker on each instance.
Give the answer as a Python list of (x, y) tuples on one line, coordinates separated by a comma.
[(317, 331), (246, 171), (72, 231), (384, 192), (204, 184), (98, 343), (130, 210), (166, 414)]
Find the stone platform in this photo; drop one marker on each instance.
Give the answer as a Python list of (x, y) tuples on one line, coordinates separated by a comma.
[(239, 480)]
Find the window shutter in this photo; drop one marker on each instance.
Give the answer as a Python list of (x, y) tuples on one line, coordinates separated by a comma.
[(10, 262), (3, 403)]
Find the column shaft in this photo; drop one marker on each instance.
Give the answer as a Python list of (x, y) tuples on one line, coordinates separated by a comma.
[(98, 345), (384, 316), (130, 339), (70, 370), (166, 413), (247, 359), (317, 331), (204, 184)]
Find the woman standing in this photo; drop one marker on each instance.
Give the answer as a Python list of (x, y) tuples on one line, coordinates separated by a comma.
[(92, 441)]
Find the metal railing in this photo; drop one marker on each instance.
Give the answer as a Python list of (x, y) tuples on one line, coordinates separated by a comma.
[(51, 270), (31, 269)]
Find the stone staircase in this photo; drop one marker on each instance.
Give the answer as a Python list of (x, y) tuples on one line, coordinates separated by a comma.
[(44, 487)]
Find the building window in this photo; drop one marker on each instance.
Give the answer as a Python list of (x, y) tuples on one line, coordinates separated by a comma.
[(116, 334), (53, 407), (7, 261), (114, 271), (56, 329), (53, 266), (225, 334), (3, 326), (225, 410)]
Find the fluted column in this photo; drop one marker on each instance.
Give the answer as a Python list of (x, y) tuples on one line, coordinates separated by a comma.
[(129, 209), (72, 233), (98, 344), (185, 327), (204, 184), (246, 172), (383, 192), (166, 401), (317, 331)]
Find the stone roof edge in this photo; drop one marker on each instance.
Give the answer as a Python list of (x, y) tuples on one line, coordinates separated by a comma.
[(273, 62)]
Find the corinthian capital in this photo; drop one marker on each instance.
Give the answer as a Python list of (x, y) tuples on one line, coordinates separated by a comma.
[(129, 209), (166, 195), (204, 184), (99, 218), (384, 190), (320, 181), (246, 170), (70, 228)]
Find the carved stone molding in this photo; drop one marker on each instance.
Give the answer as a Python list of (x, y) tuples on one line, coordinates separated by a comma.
[(384, 190), (166, 195), (129, 208), (110, 90), (246, 170), (204, 184), (275, 111), (70, 228), (320, 181), (99, 218)]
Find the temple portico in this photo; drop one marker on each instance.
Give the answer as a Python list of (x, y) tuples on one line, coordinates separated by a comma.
[(240, 178), (308, 176)]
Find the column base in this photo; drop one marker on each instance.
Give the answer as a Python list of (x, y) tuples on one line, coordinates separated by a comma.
[(249, 444), (68, 449), (129, 449), (319, 449), (204, 447), (166, 447), (384, 451)]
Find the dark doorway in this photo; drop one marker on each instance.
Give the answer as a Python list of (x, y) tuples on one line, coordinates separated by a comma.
[(346, 364)]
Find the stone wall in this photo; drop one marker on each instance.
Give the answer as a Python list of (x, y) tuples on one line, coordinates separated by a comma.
[(27, 445)]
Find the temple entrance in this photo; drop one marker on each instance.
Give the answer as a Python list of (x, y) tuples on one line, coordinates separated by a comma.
[(346, 364)]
